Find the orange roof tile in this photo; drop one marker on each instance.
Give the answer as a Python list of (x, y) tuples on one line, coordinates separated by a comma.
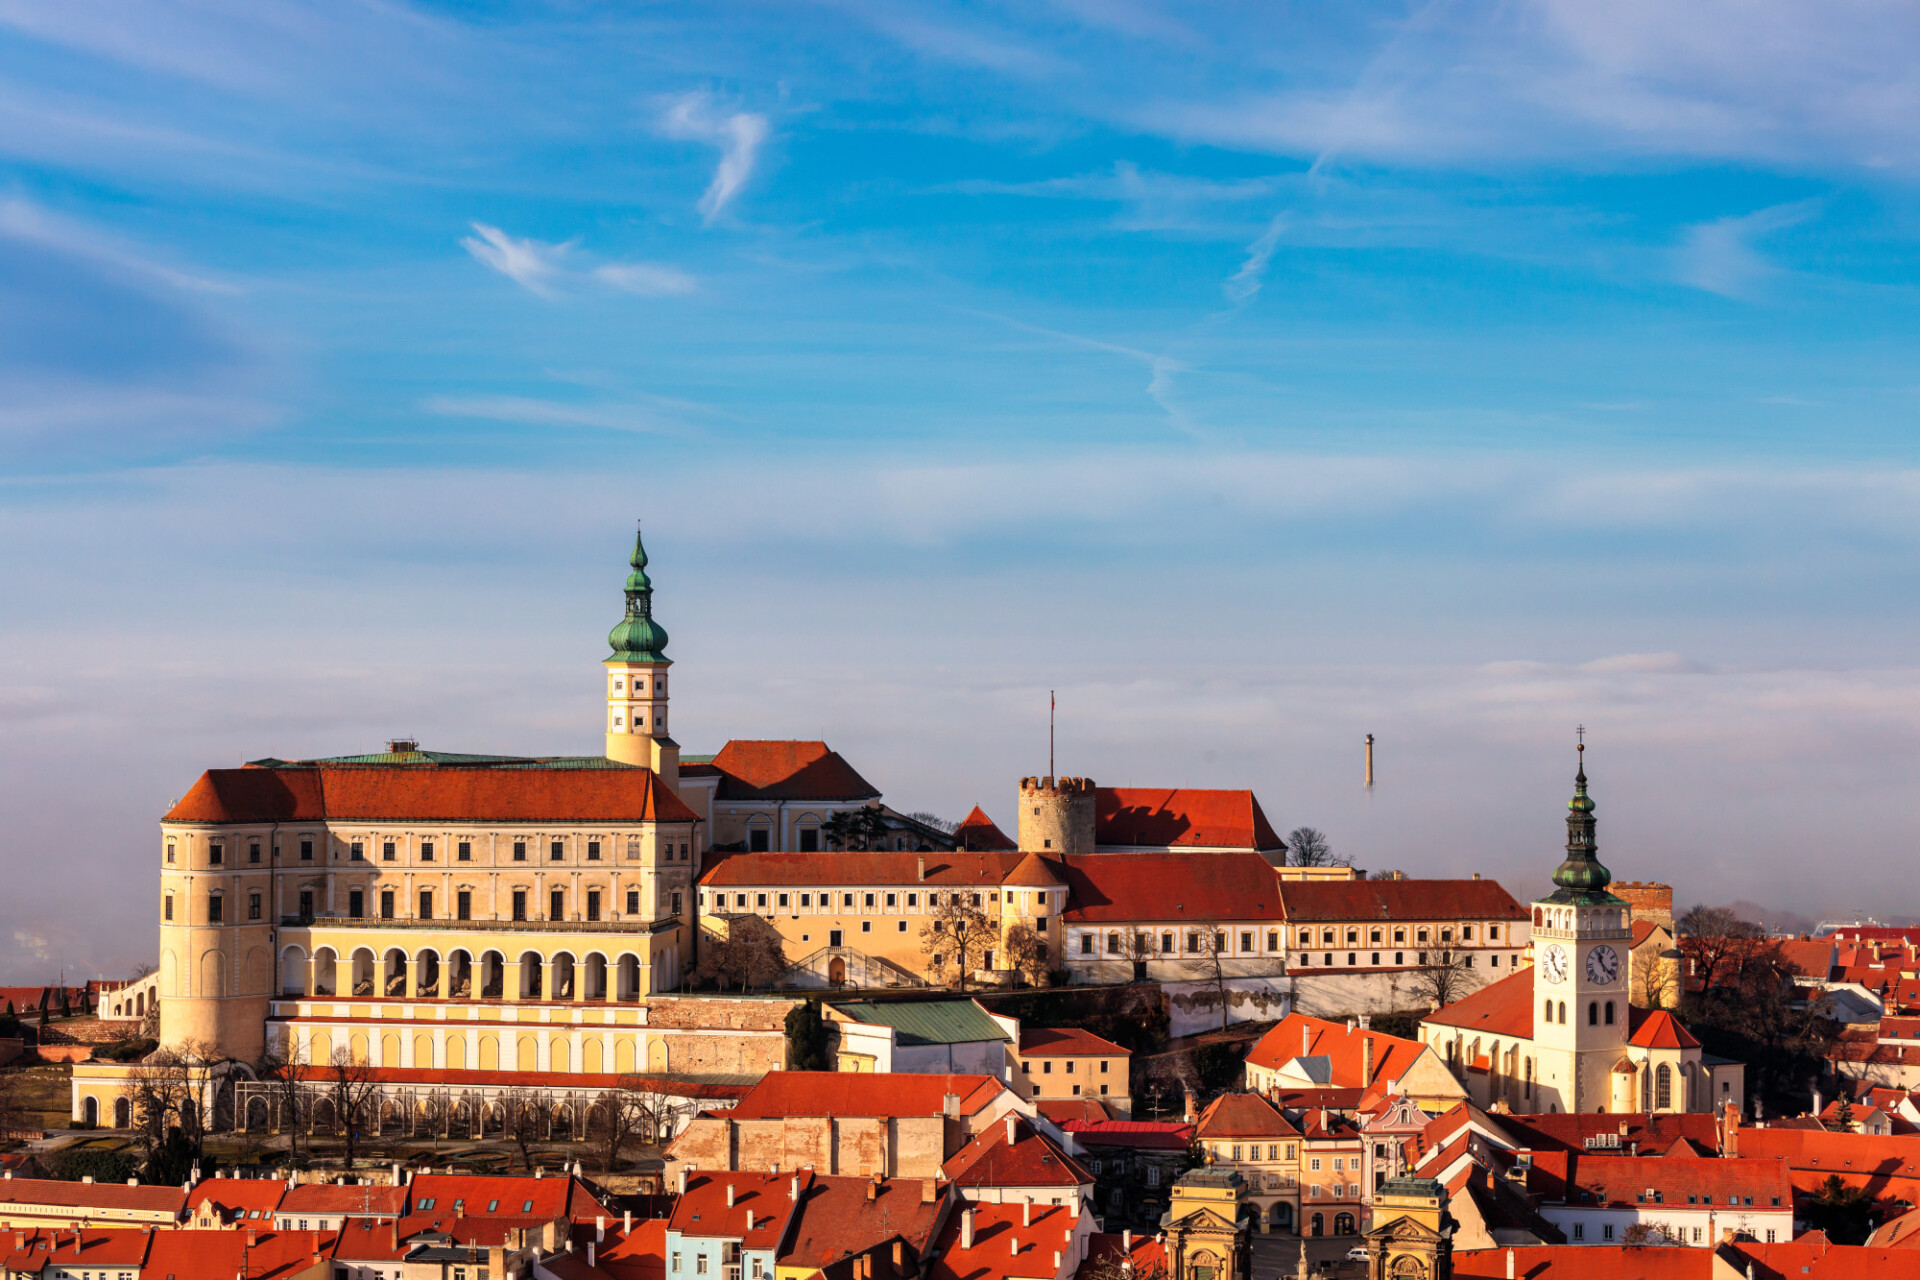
[(93, 1195), (1502, 1008), (837, 1093), (354, 1202), (1107, 1251), (422, 793), (1242, 1115), (752, 1208), (1069, 1042), (1753, 1183), (518, 1200), (1569, 1131), (844, 1216), (1584, 1262), (1661, 1030), (1317, 900), (30, 1250), (242, 1195), (1153, 817), (1032, 1159), (1033, 870), (233, 1255), (1299, 1036), (1159, 887), (787, 770), (1811, 1257), (803, 870), (1003, 1245), (977, 831)]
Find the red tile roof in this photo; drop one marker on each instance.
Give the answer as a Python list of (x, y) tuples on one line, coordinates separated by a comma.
[(31, 1249), (1902, 1232), (1032, 1159), (1317, 900), (1063, 1110), (1183, 817), (802, 870), (787, 770), (1299, 1036), (1106, 1251), (1585, 1262), (1750, 1182), (228, 1254), (1068, 1042), (1811, 1257), (1141, 1135), (355, 1202), (370, 1240), (1033, 871), (242, 1195), (522, 1201), (1661, 1030), (977, 831), (1503, 1008), (428, 793), (840, 1217), (1179, 887), (762, 1206), (100, 1196), (639, 1254), (1243, 1115), (1886, 1166), (838, 1093), (997, 1232), (1569, 1131)]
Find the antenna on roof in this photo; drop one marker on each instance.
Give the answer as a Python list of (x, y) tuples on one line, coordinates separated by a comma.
[(1052, 702), (1369, 762)]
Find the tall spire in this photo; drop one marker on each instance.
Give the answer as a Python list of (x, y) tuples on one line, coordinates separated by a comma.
[(638, 638), (1582, 878)]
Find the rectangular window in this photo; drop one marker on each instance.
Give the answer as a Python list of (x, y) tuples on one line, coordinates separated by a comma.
[(463, 904), (556, 850), (519, 904), (593, 851), (633, 902), (213, 910), (866, 926), (1314, 1164), (759, 840), (557, 905), (167, 908), (676, 904), (893, 900), (215, 852), (834, 938), (846, 900), (806, 899), (1606, 1230), (426, 904), (1086, 944), (253, 851), (169, 851), (809, 839), (386, 904), (357, 852), (1579, 1231), (386, 851), (463, 852), (593, 904), (1246, 940), (519, 850), (356, 906), (785, 899), (253, 906), (426, 851), (633, 848), (913, 899), (760, 900), (306, 906)]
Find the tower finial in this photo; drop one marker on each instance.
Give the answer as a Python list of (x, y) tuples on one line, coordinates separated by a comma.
[(638, 638)]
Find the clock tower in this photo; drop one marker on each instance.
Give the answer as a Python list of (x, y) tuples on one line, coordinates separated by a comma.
[(637, 681), (1581, 938)]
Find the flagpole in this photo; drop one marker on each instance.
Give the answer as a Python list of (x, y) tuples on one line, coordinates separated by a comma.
[(1052, 702)]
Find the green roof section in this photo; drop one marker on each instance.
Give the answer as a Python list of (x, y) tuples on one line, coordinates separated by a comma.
[(926, 1022), (637, 637)]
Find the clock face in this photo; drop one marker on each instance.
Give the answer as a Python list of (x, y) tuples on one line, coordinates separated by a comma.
[(1603, 966), (1554, 964)]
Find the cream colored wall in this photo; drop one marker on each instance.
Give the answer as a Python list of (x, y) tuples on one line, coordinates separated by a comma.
[(637, 698), (1069, 1071)]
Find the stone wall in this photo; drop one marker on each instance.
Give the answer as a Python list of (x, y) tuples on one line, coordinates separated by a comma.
[(1339, 995), (755, 1053), (1649, 899), (1195, 1006), (852, 1146), (708, 1013)]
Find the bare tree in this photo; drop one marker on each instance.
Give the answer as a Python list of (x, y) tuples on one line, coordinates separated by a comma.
[(958, 934), (1027, 954), (934, 820), (753, 954), (354, 1088), (169, 1093), (1712, 936), (1208, 949), (1309, 847), (526, 1120), (1654, 976), (280, 1070), (620, 1116), (1445, 976), (1115, 1265), (434, 1113)]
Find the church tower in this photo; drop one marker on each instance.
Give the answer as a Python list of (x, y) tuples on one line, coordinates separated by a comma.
[(637, 729), (1581, 938)]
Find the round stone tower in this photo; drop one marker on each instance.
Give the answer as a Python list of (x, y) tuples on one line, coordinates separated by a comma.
[(1056, 815)]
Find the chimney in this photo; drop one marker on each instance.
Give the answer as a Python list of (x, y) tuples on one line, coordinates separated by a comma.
[(396, 1173), (966, 1228), (1366, 1061), (253, 1237), (729, 1195), (1817, 1108), (1399, 875), (1013, 1124), (1730, 1131), (599, 1228), (1306, 1039), (538, 1173), (929, 1191), (873, 1191), (899, 1257), (1056, 1262), (923, 867), (1476, 875), (683, 1179), (1016, 1246), (1026, 1213), (1126, 1242), (626, 1224), (793, 1188), (949, 1107), (592, 1246), (1366, 1022), (1509, 1264), (1191, 1104)]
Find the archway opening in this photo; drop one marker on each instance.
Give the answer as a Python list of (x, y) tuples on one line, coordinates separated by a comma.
[(426, 975), (531, 975)]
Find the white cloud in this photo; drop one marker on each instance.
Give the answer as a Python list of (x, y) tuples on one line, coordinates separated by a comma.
[(738, 135), (650, 279), (29, 223), (537, 412), (1244, 283), (1723, 257), (533, 264)]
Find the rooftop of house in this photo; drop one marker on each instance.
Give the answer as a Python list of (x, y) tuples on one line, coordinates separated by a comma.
[(1353, 1057), (1065, 1042), (918, 1023), (1009, 1241), (1502, 1008), (331, 1198), (822, 1093), (1243, 1115), (751, 1208), (781, 769), (235, 1254), (1108, 1252), (1584, 1262), (1578, 1177), (1173, 888), (517, 1201), (1183, 817), (844, 1216), (977, 831), (1029, 1159), (514, 791), (242, 1196), (1659, 1029), (1408, 900), (30, 1250), (936, 869), (1579, 1131), (142, 1198)]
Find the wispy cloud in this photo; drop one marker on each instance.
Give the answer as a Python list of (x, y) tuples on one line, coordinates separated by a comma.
[(545, 268), (1244, 283), (1161, 368), (737, 134), (1723, 256), (549, 413), (31, 224)]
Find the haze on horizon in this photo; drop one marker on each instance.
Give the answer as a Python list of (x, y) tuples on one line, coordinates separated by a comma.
[(1258, 378)]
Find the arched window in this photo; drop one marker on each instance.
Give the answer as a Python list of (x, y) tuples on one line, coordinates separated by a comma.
[(1609, 1013), (1547, 1013), (1662, 1088), (1593, 1013), (1563, 1013)]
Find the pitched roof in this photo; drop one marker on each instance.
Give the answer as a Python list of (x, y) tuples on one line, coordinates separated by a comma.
[(997, 1232), (1584, 1262), (1156, 817), (927, 1022), (1503, 1008), (977, 831), (517, 1201), (1661, 1030), (1344, 1047), (1197, 887), (756, 1214), (1398, 900), (1064, 1111), (29, 1250), (1107, 1252), (844, 1216), (1753, 1183), (227, 1254), (840, 1093), (1065, 1042), (1140, 1135), (1034, 871), (354, 1202), (760, 769), (1886, 1166), (1242, 1115), (1032, 1159), (803, 870), (104, 1196), (1811, 1257), (422, 793), (242, 1194), (1569, 1131)]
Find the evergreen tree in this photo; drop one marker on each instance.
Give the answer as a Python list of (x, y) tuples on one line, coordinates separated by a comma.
[(807, 1038)]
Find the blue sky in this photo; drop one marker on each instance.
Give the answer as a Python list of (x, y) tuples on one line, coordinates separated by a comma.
[(1259, 376)]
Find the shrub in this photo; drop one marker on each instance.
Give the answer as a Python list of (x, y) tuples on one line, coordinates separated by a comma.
[(76, 1163)]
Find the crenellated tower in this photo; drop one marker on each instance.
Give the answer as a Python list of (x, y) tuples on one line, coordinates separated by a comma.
[(637, 728), (1057, 815)]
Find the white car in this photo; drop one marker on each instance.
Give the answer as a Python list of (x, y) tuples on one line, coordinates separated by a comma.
[(1359, 1253)]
